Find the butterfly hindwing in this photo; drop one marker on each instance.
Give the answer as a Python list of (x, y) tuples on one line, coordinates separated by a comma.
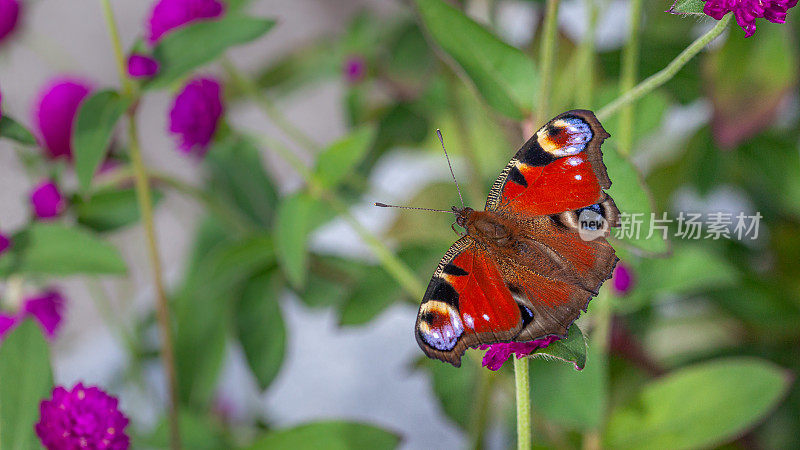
[(467, 303), (559, 168)]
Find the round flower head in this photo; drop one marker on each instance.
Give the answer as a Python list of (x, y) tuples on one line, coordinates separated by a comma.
[(622, 279), (46, 308), (141, 66), (169, 14), (497, 354), (195, 114), (85, 417), (9, 14), (54, 114), (747, 11), (47, 200)]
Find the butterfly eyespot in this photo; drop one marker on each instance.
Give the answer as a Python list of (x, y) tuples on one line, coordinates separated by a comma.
[(439, 325)]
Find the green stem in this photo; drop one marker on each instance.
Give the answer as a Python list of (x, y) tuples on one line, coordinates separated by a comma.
[(246, 85), (546, 59), (666, 73), (522, 382), (584, 79), (144, 198), (393, 265), (119, 54), (629, 73)]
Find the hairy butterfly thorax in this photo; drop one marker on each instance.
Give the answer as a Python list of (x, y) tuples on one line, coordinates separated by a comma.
[(529, 263)]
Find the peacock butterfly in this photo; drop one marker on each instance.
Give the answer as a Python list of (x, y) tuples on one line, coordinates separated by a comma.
[(525, 268)]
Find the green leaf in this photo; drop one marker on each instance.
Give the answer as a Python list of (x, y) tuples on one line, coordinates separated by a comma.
[(332, 435), (690, 268), (260, 327), (375, 292), (694, 7), (27, 380), (454, 388), (55, 249), (298, 215), (572, 398), (633, 198), (94, 127), (699, 406), (11, 129), (198, 432), (203, 312), (109, 209), (502, 74), (340, 158), (238, 177), (571, 349), (192, 46)]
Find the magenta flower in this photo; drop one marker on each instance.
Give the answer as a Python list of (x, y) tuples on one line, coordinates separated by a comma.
[(47, 309), (497, 354), (9, 14), (622, 279), (55, 112), (47, 200), (142, 66), (195, 114), (5, 243), (7, 323), (747, 11), (355, 68), (169, 14), (85, 417)]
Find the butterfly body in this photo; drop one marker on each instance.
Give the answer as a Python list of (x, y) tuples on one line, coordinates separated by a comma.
[(522, 270)]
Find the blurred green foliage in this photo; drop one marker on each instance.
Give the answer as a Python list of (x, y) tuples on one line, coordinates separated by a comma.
[(702, 346)]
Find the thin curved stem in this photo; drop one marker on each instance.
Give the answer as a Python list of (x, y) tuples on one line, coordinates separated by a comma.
[(522, 383), (245, 84), (145, 200), (390, 262), (665, 74), (629, 72)]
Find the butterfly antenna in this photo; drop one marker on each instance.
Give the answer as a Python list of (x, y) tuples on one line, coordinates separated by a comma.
[(384, 205), (439, 133)]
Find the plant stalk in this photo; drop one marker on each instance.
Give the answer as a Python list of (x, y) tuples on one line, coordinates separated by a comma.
[(665, 74), (629, 73), (522, 383), (546, 60), (144, 198)]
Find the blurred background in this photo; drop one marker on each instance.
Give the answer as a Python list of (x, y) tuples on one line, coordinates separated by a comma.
[(335, 340)]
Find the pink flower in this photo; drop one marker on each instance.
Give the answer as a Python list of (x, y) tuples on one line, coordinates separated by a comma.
[(55, 112), (5, 243), (47, 309), (497, 354), (47, 200), (747, 11), (169, 14), (195, 114), (354, 69), (9, 14), (85, 417), (142, 66), (622, 279), (7, 323)]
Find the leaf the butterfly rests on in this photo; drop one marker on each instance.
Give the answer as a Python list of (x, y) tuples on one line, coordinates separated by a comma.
[(534, 258)]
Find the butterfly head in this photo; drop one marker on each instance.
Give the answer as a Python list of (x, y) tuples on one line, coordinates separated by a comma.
[(462, 214)]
